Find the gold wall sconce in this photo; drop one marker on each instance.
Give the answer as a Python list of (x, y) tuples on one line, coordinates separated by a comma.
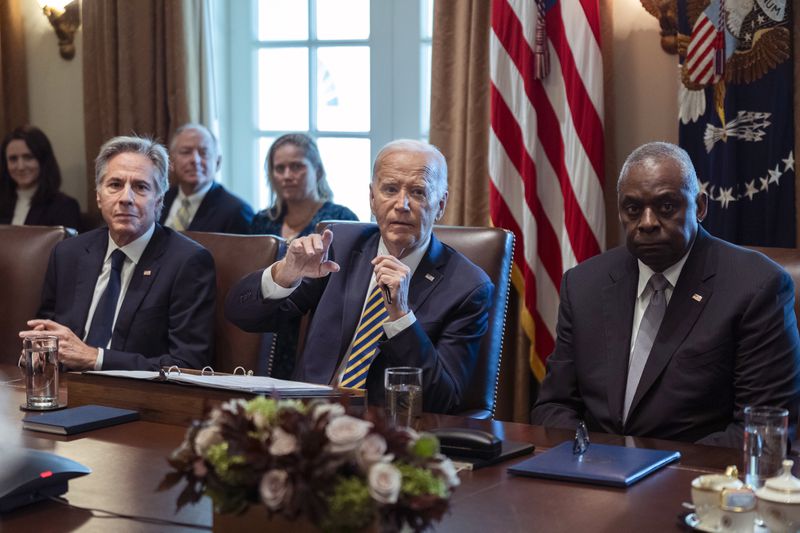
[(65, 17)]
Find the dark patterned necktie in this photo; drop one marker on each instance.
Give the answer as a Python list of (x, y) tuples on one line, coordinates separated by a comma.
[(103, 319)]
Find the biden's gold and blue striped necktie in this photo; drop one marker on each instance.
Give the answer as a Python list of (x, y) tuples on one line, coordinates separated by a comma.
[(365, 345)]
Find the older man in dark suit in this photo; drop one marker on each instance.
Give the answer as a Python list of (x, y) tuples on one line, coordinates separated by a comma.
[(384, 296), (133, 295), (674, 335), (196, 202)]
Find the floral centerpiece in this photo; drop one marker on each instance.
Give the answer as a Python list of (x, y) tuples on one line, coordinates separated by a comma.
[(312, 460)]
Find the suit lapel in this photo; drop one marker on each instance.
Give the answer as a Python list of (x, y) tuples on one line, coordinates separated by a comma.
[(357, 278), (144, 274), (169, 197), (618, 303), (89, 266), (694, 288), (204, 208), (427, 275)]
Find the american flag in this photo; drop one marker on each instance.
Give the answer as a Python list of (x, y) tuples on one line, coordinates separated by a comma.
[(546, 149)]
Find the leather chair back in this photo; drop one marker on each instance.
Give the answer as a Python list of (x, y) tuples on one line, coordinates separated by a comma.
[(24, 255), (491, 249), (235, 256), (789, 259)]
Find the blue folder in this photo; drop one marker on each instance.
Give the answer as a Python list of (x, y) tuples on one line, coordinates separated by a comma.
[(602, 464)]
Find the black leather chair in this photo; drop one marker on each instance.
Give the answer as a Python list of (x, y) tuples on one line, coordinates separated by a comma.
[(492, 249), (234, 257), (24, 254)]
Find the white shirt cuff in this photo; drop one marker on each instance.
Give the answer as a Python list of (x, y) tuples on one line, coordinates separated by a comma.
[(98, 364), (395, 327), (271, 290)]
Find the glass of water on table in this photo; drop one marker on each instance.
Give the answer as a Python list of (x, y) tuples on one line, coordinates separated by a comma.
[(403, 394), (40, 359), (765, 441)]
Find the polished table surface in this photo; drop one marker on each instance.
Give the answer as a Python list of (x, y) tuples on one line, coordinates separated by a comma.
[(128, 462)]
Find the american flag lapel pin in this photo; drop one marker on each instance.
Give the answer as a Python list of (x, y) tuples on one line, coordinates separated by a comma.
[(697, 298), (147, 273)]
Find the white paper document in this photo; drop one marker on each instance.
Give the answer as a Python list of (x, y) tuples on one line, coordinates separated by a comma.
[(254, 384)]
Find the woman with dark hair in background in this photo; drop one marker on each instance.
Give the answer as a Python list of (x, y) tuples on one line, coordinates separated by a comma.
[(300, 198), (30, 181)]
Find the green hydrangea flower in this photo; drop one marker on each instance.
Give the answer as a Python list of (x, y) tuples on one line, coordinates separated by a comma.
[(420, 482), (225, 465), (426, 446), (350, 507)]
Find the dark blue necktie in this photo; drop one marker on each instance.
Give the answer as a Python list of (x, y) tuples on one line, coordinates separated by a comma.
[(103, 319)]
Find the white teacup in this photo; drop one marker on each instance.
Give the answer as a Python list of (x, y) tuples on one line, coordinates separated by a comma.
[(737, 510), (707, 497)]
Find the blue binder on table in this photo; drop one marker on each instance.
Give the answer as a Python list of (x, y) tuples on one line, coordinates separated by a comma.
[(78, 419), (602, 464)]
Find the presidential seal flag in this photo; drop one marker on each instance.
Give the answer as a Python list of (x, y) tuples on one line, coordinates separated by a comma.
[(546, 149), (736, 115)]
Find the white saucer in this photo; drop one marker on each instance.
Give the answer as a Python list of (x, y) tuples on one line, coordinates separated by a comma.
[(693, 522)]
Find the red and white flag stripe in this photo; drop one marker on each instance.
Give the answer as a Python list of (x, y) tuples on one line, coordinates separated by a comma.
[(546, 151)]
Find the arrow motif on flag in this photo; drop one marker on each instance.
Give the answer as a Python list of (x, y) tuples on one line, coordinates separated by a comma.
[(747, 126)]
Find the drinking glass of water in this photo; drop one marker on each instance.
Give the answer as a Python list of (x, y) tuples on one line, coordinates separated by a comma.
[(403, 394), (41, 371), (765, 434)]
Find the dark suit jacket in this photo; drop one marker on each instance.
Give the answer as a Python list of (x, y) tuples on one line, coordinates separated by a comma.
[(59, 210), (167, 315), (220, 211), (728, 339), (449, 296)]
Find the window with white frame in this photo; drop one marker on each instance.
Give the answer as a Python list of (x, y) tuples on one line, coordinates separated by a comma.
[(354, 74)]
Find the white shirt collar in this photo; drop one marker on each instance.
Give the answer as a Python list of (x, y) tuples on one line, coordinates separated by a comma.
[(411, 260), (26, 194), (672, 273), (133, 250), (196, 197)]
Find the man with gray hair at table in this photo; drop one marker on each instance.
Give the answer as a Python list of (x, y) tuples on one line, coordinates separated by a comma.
[(196, 202), (383, 296), (674, 334), (133, 295)]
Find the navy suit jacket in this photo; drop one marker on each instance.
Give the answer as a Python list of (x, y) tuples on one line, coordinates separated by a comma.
[(728, 339), (449, 296), (220, 211), (167, 315), (59, 210)]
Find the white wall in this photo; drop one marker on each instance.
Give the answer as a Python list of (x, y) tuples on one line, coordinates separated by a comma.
[(55, 94), (645, 84)]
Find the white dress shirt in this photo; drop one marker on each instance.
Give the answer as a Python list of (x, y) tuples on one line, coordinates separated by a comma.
[(23, 205), (195, 199), (133, 253)]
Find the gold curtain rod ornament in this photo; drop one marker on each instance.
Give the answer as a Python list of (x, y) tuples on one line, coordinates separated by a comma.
[(65, 19)]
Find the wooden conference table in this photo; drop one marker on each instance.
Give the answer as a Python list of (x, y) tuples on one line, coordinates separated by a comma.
[(128, 462)]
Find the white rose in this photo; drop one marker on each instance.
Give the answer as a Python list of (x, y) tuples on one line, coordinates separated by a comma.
[(275, 489), (445, 469), (332, 409), (206, 438), (345, 432), (372, 450), (384, 482), (283, 443)]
